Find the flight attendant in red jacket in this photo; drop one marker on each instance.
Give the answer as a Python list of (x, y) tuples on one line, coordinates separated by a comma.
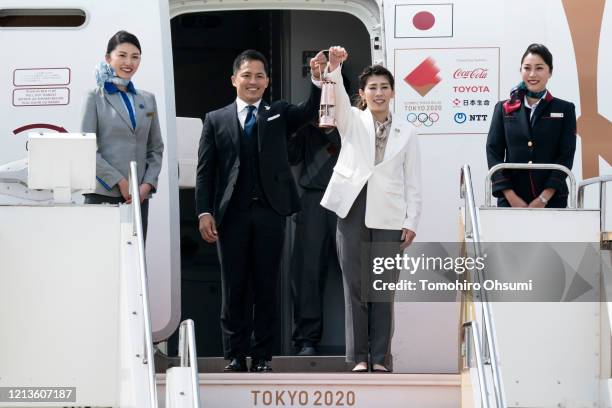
[(532, 127)]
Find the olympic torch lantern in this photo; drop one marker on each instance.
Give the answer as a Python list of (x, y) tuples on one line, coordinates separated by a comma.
[(327, 114)]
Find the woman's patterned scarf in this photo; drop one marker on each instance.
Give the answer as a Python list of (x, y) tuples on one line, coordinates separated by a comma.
[(105, 73), (517, 94)]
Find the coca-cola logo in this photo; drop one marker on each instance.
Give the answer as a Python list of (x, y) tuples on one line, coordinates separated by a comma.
[(476, 73)]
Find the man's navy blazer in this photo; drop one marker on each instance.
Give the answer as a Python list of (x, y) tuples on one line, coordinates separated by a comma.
[(550, 139), (219, 155)]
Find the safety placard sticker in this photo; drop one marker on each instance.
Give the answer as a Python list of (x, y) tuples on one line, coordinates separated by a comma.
[(447, 90), (41, 96), (41, 76)]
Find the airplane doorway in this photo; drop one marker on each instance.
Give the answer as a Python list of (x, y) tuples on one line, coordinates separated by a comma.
[(204, 46)]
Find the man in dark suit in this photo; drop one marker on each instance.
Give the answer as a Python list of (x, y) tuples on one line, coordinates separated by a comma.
[(244, 191)]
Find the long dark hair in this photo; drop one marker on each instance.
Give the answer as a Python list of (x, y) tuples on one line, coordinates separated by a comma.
[(368, 72), (121, 37)]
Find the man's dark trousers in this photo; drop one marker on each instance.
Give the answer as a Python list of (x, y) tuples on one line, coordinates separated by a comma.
[(313, 252), (250, 262), (250, 246)]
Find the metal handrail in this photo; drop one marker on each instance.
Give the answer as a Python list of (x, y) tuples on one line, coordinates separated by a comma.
[(531, 166), (602, 181), (188, 357), (467, 193), (138, 234), (472, 327), (593, 180)]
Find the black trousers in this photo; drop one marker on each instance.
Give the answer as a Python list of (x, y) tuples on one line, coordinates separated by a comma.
[(250, 247), (314, 249), (102, 199)]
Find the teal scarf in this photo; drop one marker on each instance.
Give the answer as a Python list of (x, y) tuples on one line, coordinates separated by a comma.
[(536, 95)]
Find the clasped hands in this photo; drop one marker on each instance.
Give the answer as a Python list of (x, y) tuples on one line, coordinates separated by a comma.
[(124, 188), (515, 201)]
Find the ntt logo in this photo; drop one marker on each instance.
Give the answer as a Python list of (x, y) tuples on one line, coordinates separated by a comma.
[(460, 117)]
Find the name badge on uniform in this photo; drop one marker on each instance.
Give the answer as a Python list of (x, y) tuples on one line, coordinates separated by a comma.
[(556, 114), (150, 114)]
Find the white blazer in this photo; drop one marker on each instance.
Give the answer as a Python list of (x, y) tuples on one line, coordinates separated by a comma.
[(394, 185)]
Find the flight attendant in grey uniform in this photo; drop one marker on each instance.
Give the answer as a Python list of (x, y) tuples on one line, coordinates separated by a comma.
[(375, 190), (126, 125)]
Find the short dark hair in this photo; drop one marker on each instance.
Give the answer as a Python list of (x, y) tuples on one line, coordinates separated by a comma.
[(121, 37), (542, 51), (371, 71), (250, 55)]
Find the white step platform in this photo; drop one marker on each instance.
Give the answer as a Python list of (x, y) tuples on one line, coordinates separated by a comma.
[(237, 390), (71, 312), (552, 354)]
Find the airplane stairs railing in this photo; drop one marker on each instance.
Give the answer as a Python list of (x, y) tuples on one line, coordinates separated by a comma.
[(183, 389), (606, 245), (485, 347), (537, 364), (142, 271)]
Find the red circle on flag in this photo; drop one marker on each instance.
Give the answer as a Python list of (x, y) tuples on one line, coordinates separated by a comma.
[(423, 20)]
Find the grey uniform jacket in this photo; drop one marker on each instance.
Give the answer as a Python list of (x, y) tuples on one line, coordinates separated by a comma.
[(119, 143)]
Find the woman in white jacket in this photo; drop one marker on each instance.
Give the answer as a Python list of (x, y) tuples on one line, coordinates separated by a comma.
[(376, 192)]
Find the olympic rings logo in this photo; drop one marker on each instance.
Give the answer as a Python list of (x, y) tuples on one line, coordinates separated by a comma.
[(423, 119)]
